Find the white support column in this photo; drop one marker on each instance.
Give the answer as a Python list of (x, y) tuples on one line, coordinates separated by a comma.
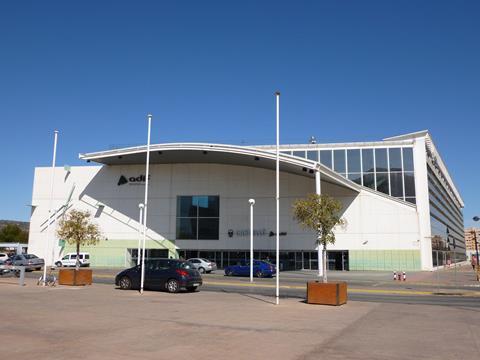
[(318, 191), (423, 202)]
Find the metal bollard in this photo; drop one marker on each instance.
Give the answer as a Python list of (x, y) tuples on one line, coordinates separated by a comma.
[(399, 276), (394, 275), (404, 276), (21, 280)]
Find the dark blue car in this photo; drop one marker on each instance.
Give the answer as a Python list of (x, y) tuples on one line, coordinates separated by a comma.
[(260, 269), (161, 274)]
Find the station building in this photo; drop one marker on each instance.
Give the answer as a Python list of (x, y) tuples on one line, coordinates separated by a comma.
[(402, 208)]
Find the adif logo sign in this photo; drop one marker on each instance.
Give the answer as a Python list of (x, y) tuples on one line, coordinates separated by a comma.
[(132, 180)]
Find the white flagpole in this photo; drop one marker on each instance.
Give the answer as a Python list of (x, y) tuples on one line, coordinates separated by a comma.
[(140, 227), (277, 275), (145, 203), (50, 208)]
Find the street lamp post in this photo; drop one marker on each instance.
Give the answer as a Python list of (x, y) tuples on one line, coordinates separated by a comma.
[(140, 225), (251, 202)]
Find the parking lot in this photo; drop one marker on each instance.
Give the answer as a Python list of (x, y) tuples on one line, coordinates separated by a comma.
[(101, 322)]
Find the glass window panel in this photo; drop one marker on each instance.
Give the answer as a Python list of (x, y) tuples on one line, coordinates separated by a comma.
[(395, 157), (286, 152), (409, 184), (312, 155), (369, 181), (381, 160), (355, 177), (353, 158), (186, 206), (207, 229), (396, 184), (187, 228), (367, 160), (326, 158), (299, 153), (208, 206), (339, 161), (407, 159), (382, 182)]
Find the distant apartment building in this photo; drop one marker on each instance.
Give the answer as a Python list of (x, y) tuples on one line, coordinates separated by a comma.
[(470, 235)]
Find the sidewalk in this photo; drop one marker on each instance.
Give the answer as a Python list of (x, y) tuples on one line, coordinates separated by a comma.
[(100, 322)]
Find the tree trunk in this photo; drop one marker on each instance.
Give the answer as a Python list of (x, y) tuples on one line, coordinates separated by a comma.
[(324, 263), (77, 263)]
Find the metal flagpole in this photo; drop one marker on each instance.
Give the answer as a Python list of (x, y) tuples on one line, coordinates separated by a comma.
[(50, 207), (277, 196), (145, 203), (140, 225)]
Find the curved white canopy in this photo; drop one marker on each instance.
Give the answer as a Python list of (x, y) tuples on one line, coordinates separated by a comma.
[(220, 154)]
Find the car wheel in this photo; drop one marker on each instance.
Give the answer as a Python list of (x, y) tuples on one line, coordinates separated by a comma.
[(228, 272), (201, 270), (191, 288), (172, 286), (125, 283), (259, 274), (39, 268), (58, 264)]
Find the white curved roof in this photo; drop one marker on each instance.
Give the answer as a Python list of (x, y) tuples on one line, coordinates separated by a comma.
[(220, 154)]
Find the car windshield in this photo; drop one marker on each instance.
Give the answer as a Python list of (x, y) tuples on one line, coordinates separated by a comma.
[(30, 256)]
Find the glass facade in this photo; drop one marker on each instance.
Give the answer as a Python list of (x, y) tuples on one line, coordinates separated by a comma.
[(289, 260), (198, 217), (388, 170), (446, 221)]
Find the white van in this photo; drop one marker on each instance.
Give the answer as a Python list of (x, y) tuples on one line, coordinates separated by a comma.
[(70, 259)]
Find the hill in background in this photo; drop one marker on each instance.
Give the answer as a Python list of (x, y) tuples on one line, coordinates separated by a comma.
[(24, 225)]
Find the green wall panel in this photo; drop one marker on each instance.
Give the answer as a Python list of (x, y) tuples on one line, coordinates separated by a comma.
[(399, 260), (113, 253)]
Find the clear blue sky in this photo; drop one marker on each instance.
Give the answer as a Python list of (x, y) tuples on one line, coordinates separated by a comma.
[(207, 70)]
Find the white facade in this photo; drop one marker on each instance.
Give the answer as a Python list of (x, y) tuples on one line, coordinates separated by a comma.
[(381, 232)]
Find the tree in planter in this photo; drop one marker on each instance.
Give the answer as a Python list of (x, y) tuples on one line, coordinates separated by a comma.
[(320, 213), (77, 229)]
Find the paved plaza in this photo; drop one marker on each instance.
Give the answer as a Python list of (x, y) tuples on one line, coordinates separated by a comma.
[(101, 322)]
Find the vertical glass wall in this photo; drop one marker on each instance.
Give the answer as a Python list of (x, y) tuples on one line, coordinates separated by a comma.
[(446, 221), (388, 170)]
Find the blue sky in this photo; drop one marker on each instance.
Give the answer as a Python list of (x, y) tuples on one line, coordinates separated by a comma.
[(207, 70)]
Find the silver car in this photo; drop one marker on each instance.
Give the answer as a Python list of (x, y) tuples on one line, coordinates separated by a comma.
[(30, 261), (203, 265)]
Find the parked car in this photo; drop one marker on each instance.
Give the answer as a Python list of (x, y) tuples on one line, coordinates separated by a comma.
[(30, 261), (203, 265), (260, 269), (161, 274), (6, 268), (70, 259), (3, 256)]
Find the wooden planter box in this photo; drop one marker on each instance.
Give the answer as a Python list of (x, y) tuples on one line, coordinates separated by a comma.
[(333, 293), (75, 277)]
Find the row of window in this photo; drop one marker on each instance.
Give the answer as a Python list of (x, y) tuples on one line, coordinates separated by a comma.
[(388, 170)]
